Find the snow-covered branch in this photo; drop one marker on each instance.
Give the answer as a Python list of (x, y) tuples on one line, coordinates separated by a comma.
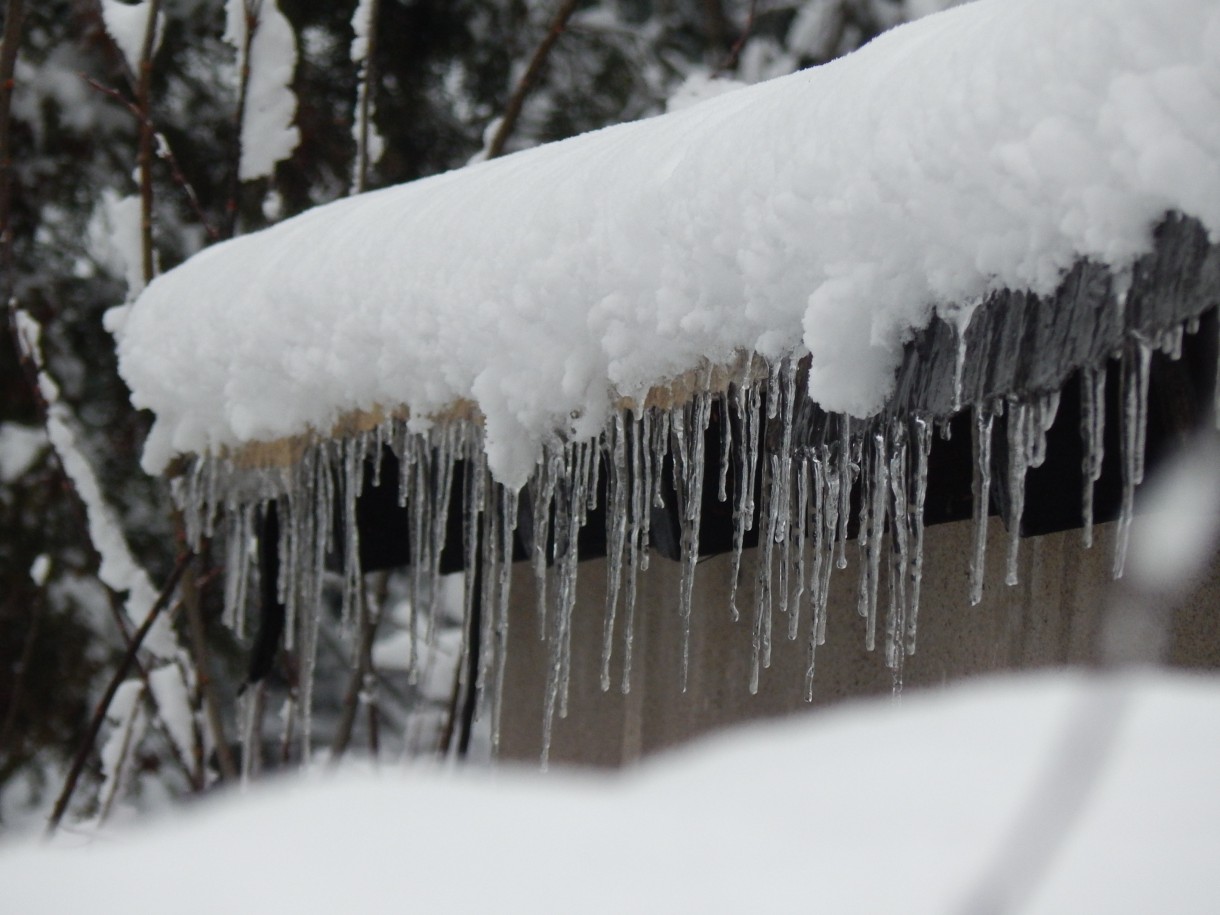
[(267, 59)]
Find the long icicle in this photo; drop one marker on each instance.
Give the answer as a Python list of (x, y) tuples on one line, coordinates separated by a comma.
[(923, 449), (616, 534), (641, 486), (1092, 434), (1137, 356), (507, 526), (981, 487)]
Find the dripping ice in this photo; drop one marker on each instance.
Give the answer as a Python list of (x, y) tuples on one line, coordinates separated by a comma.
[(802, 489)]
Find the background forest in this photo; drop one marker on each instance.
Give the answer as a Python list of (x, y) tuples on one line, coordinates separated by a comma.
[(126, 150)]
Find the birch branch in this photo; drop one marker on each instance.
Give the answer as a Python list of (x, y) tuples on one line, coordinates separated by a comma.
[(120, 674), (145, 155), (14, 15), (533, 70)]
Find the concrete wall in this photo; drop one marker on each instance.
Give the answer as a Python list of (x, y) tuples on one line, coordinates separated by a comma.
[(1053, 617)]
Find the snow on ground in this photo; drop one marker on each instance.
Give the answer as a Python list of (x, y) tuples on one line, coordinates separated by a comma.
[(987, 146), (872, 807)]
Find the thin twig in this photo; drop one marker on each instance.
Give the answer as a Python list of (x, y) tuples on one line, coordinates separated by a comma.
[(206, 690), (252, 9), (355, 685), (730, 61), (120, 674), (150, 697), (164, 151), (532, 71), (717, 25), (116, 783), (22, 672), (14, 16), (368, 80), (145, 154)]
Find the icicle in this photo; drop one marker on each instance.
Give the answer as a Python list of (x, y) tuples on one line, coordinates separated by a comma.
[(638, 537), (545, 478), (773, 375), (753, 432), (783, 492), (250, 719), (594, 474), (1045, 409), (474, 497), (237, 566), (801, 523), (616, 534), (830, 527), (1171, 342), (1018, 460), (726, 447), (285, 586), (846, 477), (297, 516), (1028, 424), (444, 460), (651, 471), (1216, 393), (741, 516), (419, 507), (900, 533), (959, 365), (1136, 359), (508, 524), (353, 479), (211, 477), (568, 520), (490, 569), (877, 492), (821, 556), (660, 445), (379, 439), (761, 633), (693, 463), (923, 448), (981, 487), (1092, 432), (826, 522)]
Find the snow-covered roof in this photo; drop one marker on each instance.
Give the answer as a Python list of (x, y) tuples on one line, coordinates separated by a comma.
[(830, 212)]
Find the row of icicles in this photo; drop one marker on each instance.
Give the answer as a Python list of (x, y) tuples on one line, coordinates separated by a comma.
[(805, 483)]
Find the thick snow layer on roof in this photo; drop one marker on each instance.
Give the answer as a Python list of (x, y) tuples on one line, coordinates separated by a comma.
[(917, 807), (829, 211)]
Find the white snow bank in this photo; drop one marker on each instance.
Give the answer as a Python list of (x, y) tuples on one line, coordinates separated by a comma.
[(873, 807), (987, 146)]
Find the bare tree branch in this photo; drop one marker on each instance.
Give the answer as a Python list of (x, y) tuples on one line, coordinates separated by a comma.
[(361, 673), (164, 151), (145, 156), (120, 674), (730, 62), (717, 25), (252, 9), (14, 15), (532, 71), (192, 588), (368, 80)]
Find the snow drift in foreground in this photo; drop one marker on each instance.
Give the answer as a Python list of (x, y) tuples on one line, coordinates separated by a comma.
[(874, 807), (988, 146)]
